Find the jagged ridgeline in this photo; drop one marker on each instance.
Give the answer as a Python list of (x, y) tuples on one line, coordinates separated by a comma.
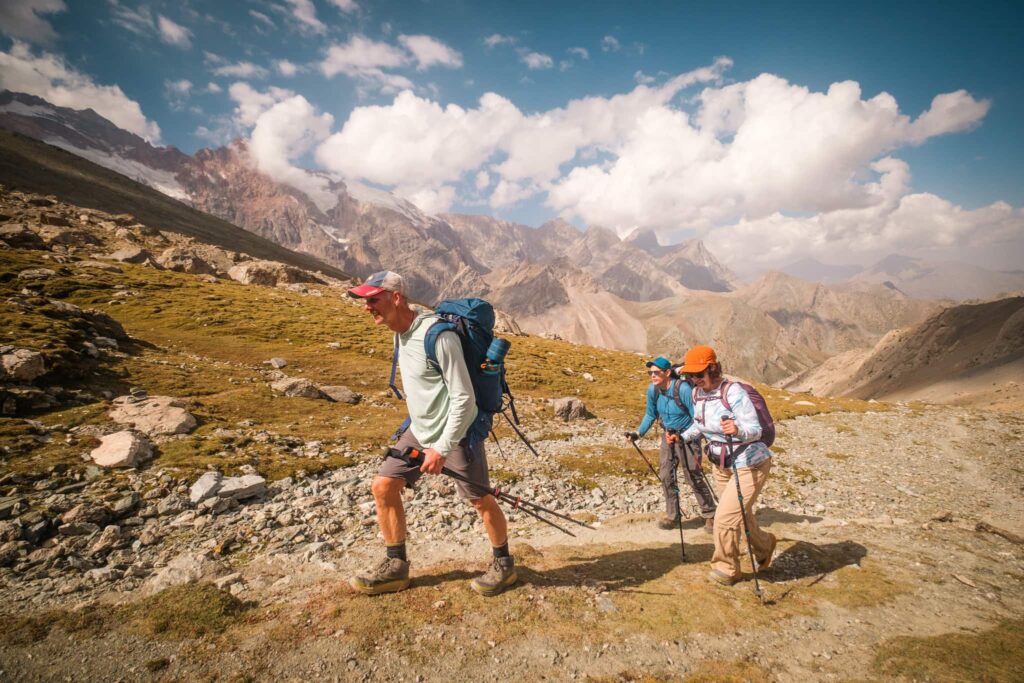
[(96, 304)]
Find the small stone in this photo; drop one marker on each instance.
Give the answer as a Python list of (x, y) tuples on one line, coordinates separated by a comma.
[(277, 363), (341, 394)]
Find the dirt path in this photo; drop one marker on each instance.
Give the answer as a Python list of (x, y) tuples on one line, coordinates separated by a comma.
[(877, 516)]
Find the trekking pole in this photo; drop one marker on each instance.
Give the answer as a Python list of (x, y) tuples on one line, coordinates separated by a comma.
[(675, 486), (743, 512), (409, 455), (519, 433)]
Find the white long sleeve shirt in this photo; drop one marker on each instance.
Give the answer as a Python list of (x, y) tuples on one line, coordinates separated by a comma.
[(707, 420), (441, 404)]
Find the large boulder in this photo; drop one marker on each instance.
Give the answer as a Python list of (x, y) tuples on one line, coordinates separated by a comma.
[(21, 365), (269, 274), (153, 415), (122, 449), (570, 408), (185, 260), (130, 255), (297, 386)]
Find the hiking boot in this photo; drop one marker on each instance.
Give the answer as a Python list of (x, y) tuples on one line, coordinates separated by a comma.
[(766, 564), (709, 525), (718, 577), (668, 523), (499, 576), (390, 576)]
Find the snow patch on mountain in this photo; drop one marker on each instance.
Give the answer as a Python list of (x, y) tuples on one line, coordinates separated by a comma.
[(161, 181)]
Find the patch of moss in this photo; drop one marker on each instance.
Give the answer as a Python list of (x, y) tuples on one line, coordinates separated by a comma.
[(187, 611), (608, 461), (838, 456), (734, 671), (993, 655), (27, 629)]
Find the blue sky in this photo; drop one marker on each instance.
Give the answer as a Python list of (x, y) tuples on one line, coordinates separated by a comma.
[(539, 57)]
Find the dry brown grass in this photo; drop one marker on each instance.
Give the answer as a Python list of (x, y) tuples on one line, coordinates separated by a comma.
[(993, 655)]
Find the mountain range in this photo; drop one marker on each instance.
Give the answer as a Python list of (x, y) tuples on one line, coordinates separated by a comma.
[(585, 286)]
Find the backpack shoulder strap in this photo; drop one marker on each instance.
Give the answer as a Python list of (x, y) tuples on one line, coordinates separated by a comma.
[(394, 369), (723, 391), (430, 339), (676, 388)]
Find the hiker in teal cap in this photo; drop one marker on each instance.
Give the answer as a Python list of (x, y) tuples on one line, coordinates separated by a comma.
[(670, 400)]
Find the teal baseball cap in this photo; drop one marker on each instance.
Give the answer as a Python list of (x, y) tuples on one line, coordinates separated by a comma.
[(661, 362)]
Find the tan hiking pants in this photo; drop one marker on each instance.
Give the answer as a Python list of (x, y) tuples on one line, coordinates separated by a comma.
[(729, 538)]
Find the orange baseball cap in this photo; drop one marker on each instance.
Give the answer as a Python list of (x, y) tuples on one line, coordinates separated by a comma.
[(697, 359)]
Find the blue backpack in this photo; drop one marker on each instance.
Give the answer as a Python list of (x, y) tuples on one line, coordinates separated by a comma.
[(473, 321)]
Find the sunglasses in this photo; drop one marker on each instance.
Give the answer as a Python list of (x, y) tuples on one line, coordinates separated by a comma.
[(696, 375), (655, 373)]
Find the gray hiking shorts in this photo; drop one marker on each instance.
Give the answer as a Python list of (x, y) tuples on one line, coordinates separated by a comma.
[(469, 462)]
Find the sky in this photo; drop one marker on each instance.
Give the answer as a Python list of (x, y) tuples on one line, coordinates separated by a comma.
[(772, 131)]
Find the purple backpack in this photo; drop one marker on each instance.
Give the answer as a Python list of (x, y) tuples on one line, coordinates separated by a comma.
[(764, 418)]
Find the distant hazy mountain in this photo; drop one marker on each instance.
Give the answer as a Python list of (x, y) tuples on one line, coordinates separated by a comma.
[(945, 280), (813, 270), (944, 355)]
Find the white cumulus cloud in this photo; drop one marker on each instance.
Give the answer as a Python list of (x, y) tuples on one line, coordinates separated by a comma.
[(284, 132), (173, 33), (610, 44), (429, 51), (304, 13), (365, 60), (346, 6), (241, 70), (23, 19), (536, 60), (49, 77), (496, 39), (285, 67)]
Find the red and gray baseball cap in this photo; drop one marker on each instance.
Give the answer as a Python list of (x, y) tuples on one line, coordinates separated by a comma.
[(385, 280)]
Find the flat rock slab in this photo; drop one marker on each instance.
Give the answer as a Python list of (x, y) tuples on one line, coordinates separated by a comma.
[(122, 449), (246, 486), (205, 487), (153, 415)]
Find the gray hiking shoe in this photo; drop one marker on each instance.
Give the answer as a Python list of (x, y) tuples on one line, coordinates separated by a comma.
[(390, 576), (499, 576), (667, 523)]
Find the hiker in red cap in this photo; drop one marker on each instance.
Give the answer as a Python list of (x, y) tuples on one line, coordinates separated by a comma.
[(725, 414), (442, 408)]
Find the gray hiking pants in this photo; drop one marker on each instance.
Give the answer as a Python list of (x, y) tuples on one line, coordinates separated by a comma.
[(673, 455)]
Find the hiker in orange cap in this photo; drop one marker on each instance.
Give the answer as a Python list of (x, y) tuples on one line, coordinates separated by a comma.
[(733, 418)]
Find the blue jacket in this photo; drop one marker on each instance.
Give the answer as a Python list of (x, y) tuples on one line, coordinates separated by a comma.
[(663, 404)]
